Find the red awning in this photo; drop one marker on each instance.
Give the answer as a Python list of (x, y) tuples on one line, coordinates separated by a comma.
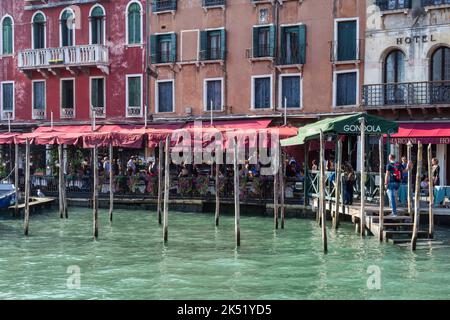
[(234, 124), (435, 133), (7, 137)]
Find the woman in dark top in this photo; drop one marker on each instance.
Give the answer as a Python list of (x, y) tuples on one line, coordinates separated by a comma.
[(435, 172)]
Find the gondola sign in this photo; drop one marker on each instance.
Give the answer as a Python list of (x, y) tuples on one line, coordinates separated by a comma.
[(354, 128)]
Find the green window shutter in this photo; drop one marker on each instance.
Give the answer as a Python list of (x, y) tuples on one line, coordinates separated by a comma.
[(255, 42), (134, 92), (138, 27), (203, 44), (223, 44), (153, 46), (7, 36), (134, 24), (272, 42), (173, 47), (302, 43), (346, 40), (283, 43), (131, 31)]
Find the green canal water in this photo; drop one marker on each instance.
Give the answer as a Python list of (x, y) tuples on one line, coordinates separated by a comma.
[(129, 261)]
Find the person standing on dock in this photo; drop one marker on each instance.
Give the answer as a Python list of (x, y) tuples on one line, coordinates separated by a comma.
[(394, 175)]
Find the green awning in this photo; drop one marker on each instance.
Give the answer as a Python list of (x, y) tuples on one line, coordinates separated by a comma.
[(343, 125)]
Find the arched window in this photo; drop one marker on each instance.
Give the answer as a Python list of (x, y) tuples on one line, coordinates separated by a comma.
[(134, 23), (7, 35), (67, 21), (97, 20), (394, 75), (394, 70), (38, 31), (440, 64)]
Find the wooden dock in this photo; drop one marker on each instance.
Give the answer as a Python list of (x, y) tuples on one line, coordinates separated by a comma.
[(397, 230), (35, 203)]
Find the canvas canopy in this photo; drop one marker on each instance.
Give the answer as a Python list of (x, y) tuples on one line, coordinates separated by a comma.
[(342, 125)]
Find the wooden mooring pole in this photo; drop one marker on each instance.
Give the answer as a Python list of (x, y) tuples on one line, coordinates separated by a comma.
[(16, 179), (417, 197), (27, 187), (362, 216), (95, 192), (282, 177), (338, 184), (322, 210), (381, 212), (166, 191), (409, 181), (431, 194), (60, 181), (160, 170), (217, 214), (276, 191), (111, 184), (237, 215)]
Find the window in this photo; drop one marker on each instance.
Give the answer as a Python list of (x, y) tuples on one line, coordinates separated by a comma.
[(293, 44), (212, 45), (393, 4), (262, 92), (7, 100), (134, 23), (39, 101), (163, 48), (7, 35), (67, 28), (212, 3), (347, 40), (434, 2), (134, 95), (97, 93), (97, 25), (440, 64), (67, 94), (165, 96), (38, 31), (264, 41), (213, 94), (164, 5), (346, 88), (394, 70), (290, 91)]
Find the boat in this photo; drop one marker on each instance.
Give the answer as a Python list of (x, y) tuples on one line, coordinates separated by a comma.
[(7, 195)]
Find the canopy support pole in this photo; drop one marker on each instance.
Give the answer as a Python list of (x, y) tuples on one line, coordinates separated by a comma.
[(338, 184), (416, 197), (27, 187), (282, 186), (276, 191), (408, 155), (60, 181)]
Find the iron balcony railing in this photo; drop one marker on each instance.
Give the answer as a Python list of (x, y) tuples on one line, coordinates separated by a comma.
[(427, 3), (292, 56), (164, 5), (212, 54), (406, 94), (386, 5), (164, 56), (213, 3)]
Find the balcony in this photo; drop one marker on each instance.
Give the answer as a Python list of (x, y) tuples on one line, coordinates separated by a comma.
[(213, 3), (388, 5), (134, 112), (7, 115), (52, 59), (99, 112), (159, 6), (212, 54), (347, 55), (428, 3), (406, 94), (67, 113), (39, 114)]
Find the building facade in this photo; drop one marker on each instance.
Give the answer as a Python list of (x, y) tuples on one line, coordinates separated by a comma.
[(67, 60), (249, 58), (407, 71)]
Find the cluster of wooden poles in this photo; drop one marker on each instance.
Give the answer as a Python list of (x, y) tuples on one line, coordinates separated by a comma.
[(162, 204), (361, 228)]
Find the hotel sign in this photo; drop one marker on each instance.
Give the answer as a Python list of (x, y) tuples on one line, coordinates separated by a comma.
[(416, 39), (425, 140)]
